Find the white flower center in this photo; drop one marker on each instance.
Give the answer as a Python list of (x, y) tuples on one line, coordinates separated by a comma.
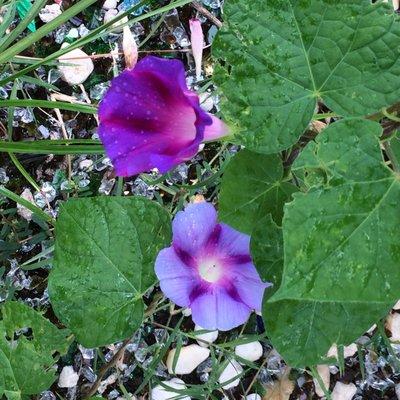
[(210, 271)]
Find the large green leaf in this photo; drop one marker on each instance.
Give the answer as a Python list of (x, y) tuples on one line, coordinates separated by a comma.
[(346, 151), (267, 252), (26, 363), (342, 254), (252, 186), (104, 262), (278, 57)]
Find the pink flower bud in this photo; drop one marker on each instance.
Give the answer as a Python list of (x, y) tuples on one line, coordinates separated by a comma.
[(197, 40), (130, 49)]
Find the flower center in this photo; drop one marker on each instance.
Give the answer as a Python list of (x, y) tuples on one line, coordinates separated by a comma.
[(210, 271)]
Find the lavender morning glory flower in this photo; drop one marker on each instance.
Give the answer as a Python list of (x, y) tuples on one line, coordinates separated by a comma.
[(209, 269), (150, 119)]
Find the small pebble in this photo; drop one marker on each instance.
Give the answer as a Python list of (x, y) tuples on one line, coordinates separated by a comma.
[(50, 12), (253, 396), (209, 337), (206, 101), (161, 393), (73, 33), (252, 351), (397, 390), (23, 211), (189, 358), (110, 15), (110, 4), (348, 351), (232, 370), (77, 73), (186, 312), (3, 176), (86, 164), (325, 374), (393, 325), (343, 391), (68, 378)]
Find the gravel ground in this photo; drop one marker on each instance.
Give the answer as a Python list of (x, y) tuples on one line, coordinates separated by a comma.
[(369, 369)]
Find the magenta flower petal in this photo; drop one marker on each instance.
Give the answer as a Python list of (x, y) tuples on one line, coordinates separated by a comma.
[(209, 269), (216, 130), (150, 119)]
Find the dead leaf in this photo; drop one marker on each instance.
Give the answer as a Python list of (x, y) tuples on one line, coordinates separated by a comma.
[(281, 389)]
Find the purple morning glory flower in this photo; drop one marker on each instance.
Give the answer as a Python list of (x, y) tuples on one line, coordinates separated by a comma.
[(150, 119), (209, 269)]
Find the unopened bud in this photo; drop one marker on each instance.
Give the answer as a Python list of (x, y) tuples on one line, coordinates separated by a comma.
[(129, 48), (197, 40)]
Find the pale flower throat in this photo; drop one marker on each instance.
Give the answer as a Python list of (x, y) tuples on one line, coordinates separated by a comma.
[(210, 271)]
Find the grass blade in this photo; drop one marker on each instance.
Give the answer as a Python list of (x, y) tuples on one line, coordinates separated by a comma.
[(61, 105), (10, 15), (18, 199), (44, 30), (39, 147), (34, 10)]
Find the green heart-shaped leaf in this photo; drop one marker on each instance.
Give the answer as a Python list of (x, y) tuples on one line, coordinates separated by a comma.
[(276, 58), (104, 262), (252, 187), (25, 362), (341, 251)]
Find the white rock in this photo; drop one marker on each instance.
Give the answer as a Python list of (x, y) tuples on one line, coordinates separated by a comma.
[(23, 211), (186, 312), (232, 370), (73, 33), (110, 15), (49, 12), (393, 325), (68, 378), (209, 336), (325, 375), (109, 4), (253, 396), (252, 351), (111, 379), (189, 358), (343, 391), (348, 351), (161, 393), (397, 389), (78, 69), (86, 164), (206, 101), (396, 3)]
